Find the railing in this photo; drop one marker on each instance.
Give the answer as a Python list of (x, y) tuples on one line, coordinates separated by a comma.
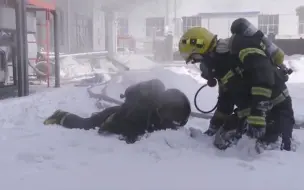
[(79, 55)]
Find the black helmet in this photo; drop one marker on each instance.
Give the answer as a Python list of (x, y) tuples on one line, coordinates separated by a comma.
[(174, 107)]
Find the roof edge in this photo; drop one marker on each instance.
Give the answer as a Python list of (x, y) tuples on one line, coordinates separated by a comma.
[(42, 4), (245, 13)]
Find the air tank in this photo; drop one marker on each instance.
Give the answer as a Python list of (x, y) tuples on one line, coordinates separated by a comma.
[(243, 27)]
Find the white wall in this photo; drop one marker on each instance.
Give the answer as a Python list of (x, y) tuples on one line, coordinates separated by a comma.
[(157, 8), (288, 25), (98, 27), (137, 17), (8, 20), (288, 20), (265, 6), (220, 25)]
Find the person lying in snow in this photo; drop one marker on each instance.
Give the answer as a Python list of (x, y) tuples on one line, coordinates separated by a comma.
[(148, 107)]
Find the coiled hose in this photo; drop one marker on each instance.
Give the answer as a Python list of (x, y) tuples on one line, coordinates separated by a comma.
[(195, 101)]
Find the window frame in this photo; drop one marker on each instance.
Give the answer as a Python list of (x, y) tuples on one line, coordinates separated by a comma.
[(269, 23), (8, 3), (301, 24), (190, 22)]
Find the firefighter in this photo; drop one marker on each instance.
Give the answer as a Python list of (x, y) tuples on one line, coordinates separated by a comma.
[(250, 72), (148, 107)]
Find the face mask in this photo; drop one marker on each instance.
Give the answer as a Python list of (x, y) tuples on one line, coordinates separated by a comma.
[(194, 58), (205, 67)]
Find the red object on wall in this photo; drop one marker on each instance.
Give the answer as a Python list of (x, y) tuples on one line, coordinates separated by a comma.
[(46, 43), (41, 4)]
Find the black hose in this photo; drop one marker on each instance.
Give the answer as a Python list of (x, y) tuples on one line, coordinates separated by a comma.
[(195, 101)]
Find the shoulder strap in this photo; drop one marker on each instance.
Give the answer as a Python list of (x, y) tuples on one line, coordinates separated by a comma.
[(222, 45)]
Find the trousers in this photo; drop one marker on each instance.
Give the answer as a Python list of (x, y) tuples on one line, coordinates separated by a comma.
[(73, 121), (280, 122)]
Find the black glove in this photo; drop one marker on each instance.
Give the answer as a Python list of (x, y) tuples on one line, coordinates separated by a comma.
[(256, 131), (215, 124), (230, 133), (225, 138), (257, 119)]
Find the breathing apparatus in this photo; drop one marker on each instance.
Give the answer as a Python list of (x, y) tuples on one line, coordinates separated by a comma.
[(206, 74), (244, 27), (195, 100)]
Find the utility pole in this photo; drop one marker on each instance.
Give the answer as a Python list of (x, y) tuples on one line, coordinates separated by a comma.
[(167, 15), (20, 48), (25, 47), (175, 10), (175, 19), (69, 23)]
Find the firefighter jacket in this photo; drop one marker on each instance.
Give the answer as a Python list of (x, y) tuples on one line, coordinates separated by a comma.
[(247, 78)]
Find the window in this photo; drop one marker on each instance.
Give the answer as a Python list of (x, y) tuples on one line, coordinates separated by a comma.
[(301, 23), (8, 3), (122, 27), (156, 24), (190, 22), (269, 24), (82, 33)]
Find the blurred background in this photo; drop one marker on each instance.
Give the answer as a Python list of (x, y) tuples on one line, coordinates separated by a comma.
[(94, 32)]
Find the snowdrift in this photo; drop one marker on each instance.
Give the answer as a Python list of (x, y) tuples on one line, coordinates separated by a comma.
[(135, 62), (72, 68), (296, 62), (36, 157)]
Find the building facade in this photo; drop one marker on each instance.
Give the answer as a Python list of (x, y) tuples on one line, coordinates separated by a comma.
[(81, 25), (272, 16)]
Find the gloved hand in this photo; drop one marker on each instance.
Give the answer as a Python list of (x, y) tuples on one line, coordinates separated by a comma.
[(257, 119), (256, 124), (215, 124), (225, 138), (256, 131)]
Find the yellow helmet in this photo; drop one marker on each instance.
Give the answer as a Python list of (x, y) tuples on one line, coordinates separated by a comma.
[(196, 40)]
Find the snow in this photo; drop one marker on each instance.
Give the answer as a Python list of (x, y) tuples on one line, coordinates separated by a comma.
[(71, 67), (136, 62), (36, 157)]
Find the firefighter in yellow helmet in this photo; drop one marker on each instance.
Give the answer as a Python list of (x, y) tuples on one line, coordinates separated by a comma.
[(251, 76)]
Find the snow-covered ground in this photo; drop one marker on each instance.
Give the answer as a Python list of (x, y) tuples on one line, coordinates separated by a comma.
[(35, 156)]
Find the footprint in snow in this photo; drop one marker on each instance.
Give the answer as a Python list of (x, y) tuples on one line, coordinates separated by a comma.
[(33, 158)]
